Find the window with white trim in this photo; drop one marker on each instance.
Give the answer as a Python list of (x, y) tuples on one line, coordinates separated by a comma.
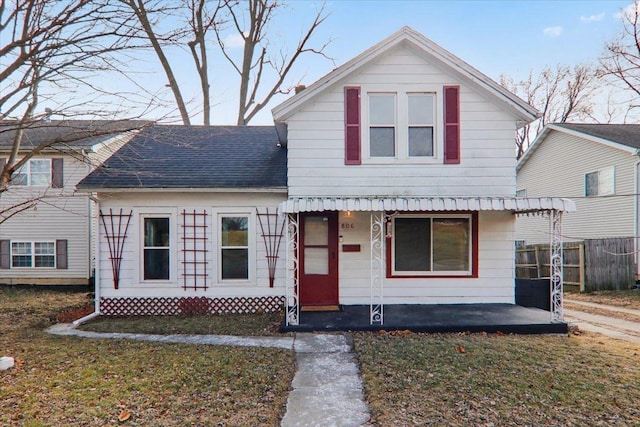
[(600, 182), (424, 245), (35, 173), (234, 247), (522, 192), (156, 247), (401, 125), (33, 254)]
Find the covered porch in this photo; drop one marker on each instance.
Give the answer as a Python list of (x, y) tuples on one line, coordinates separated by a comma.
[(379, 311), (436, 318)]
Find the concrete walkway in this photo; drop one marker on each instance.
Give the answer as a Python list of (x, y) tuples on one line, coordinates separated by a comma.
[(326, 389), (605, 325)]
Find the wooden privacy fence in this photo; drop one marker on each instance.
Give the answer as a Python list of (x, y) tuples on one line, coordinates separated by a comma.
[(590, 265)]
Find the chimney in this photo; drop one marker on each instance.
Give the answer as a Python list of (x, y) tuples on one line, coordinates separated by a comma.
[(300, 88)]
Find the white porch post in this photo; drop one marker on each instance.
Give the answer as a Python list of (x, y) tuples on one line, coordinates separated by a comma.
[(376, 309), (292, 301), (556, 267)]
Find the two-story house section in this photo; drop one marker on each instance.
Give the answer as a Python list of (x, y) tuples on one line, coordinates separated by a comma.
[(597, 165), (46, 228), (401, 180), (391, 180)]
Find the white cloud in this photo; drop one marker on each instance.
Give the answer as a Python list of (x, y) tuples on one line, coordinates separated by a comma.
[(553, 31), (233, 41), (629, 11), (592, 18)]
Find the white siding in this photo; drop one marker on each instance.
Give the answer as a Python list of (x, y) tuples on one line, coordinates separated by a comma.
[(557, 169), (60, 214), (494, 284), (316, 141), (131, 283)]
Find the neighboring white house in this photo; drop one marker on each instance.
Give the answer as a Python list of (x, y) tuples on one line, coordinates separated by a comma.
[(45, 226), (394, 180), (597, 165)]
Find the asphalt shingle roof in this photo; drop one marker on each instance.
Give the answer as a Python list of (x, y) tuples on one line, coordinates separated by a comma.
[(175, 156), (69, 134), (625, 134)]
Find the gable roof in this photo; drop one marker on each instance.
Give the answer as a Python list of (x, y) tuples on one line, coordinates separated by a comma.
[(434, 53), (66, 135), (624, 137), (198, 157)]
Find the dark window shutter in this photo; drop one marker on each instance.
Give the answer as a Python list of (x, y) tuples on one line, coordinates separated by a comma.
[(352, 126), (57, 176), (61, 255), (452, 124), (5, 254)]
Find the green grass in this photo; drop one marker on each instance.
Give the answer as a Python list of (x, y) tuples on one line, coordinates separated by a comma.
[(478, 380), (68, 381)]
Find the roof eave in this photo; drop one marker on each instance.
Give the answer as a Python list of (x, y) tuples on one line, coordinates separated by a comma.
[(87, 189)]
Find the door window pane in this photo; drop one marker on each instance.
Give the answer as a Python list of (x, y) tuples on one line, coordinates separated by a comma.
[(412, 244), (316, 230), (156, 248), (451, 243), (316, 261)]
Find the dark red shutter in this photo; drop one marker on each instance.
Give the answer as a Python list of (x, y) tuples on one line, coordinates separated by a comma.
[(5, 260), (57, 176), (352, 126), (452, 124), (61, 255)]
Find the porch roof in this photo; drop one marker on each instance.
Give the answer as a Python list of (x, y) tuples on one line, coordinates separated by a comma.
[(516, 205)]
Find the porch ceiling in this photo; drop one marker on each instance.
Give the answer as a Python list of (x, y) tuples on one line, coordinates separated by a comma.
[(516, 205)]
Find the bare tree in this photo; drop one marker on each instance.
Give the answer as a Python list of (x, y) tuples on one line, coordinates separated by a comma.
[(560, 94), (621, 59), (252, 25), (48, 48)]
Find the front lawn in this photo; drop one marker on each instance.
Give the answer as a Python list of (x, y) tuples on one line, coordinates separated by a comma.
[(68, 381), (499, 380)]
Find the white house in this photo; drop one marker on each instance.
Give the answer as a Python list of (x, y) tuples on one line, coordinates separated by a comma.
[(393, 178), (45, 226), (597, 165)]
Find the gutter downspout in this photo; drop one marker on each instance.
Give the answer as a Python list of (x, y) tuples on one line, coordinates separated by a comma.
[(96, 275), (636, 213)]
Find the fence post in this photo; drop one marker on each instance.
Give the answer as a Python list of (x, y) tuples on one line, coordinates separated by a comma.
[(582, 267)]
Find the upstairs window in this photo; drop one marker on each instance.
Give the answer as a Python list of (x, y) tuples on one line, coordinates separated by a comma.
[(35, 173), (421, 120), (600, 183), (382, 125)]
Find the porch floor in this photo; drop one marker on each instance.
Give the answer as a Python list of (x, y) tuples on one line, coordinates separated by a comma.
[(491, 318)]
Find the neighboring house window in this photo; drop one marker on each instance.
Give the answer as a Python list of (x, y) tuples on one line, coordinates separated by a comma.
[(425, 245), (600, 183), (382, 125), (35, 172), (401, 125), (33, 254), (234, 247), (156, 248), (521, 192)]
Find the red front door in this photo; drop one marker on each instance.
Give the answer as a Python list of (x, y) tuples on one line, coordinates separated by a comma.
[(319, 258)]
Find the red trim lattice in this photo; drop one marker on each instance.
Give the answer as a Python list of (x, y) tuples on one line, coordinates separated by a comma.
[(189, 305), (115, 232), (194, 250)]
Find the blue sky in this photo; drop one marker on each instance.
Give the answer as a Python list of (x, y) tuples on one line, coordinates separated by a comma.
[(496, 37)]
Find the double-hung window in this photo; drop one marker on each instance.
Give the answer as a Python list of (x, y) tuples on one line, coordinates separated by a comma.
[(600, 183), (402, 125), (382, 125), (432, 245), (33, 254), (234, 247), (156, 249), (35, 172)]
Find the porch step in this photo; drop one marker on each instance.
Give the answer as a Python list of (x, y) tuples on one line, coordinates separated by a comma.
[(320, 308)]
